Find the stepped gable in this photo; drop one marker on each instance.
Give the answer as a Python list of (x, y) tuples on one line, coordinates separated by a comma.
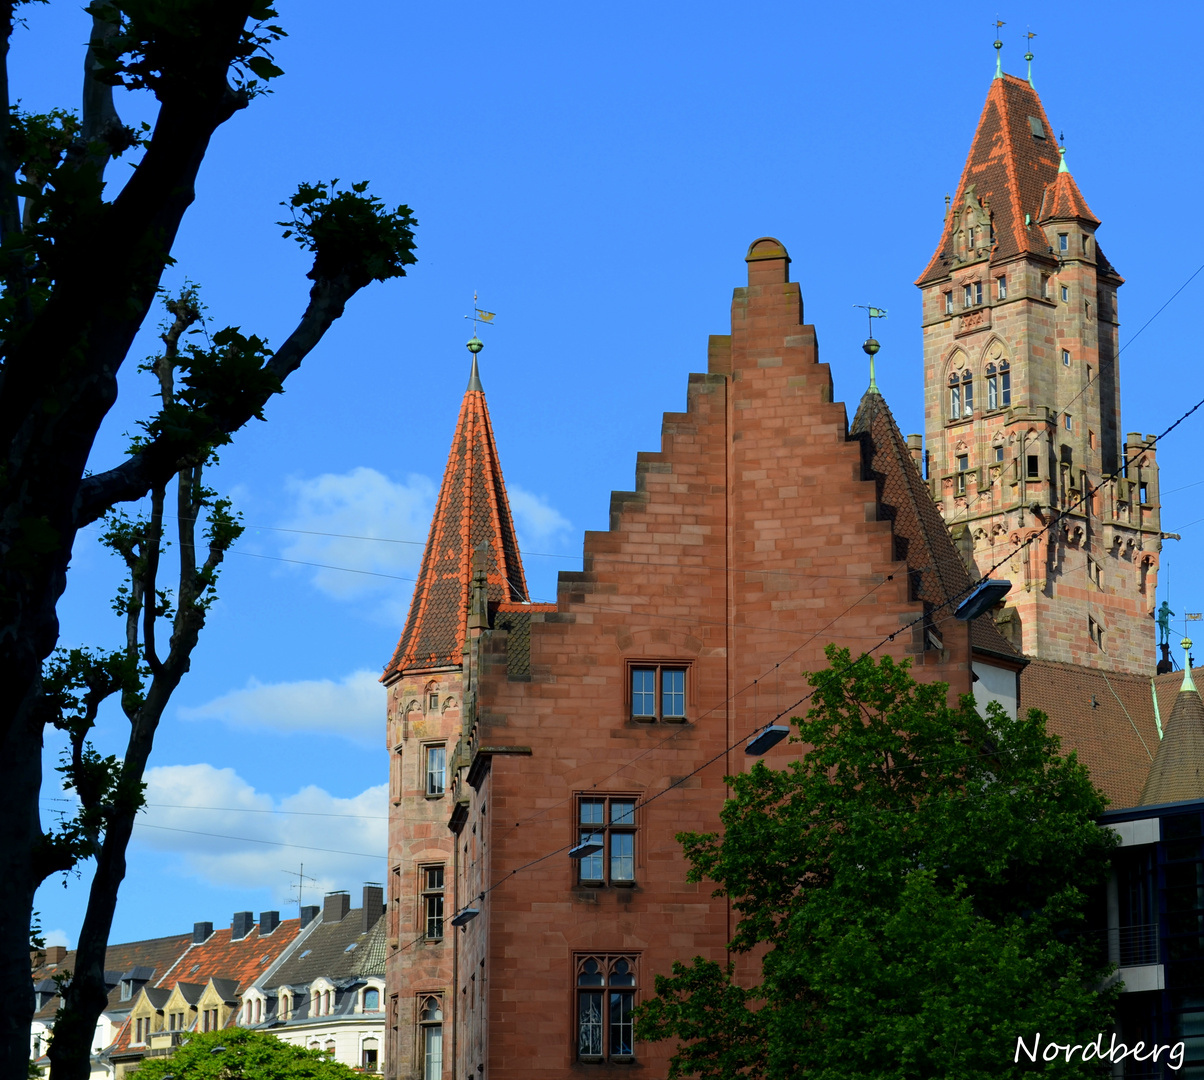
[(143, 960), (472, 513), (1177, 774), (1010, 169), (241, 961), (921, 536)]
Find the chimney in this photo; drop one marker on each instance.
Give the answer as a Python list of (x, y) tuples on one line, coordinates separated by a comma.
[(242, 924), (374, 905), (268, 921), (308, 914), (201, 931), (336, 907), (915, 443)]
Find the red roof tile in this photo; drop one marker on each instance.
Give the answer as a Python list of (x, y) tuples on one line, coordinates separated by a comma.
[(241, 961), (1010, 167), (1064, 201), (472, 511), (1178, 770)]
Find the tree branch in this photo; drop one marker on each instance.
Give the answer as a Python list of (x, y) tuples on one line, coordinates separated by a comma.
[(10, 218)]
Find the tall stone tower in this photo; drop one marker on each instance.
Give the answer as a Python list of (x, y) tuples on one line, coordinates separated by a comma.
[(1022, 400)]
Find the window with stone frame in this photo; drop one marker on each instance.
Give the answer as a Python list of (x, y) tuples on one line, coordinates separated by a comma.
[(430, 1037), (949, 303), (657, 691), (999, 386), (436, 769), (606, 987), (431, 907), (609, 821), (955, 396), (1001, 287)]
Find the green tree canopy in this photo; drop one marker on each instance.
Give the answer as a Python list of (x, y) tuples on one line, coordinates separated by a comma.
[(915, 891), (240, 1054)]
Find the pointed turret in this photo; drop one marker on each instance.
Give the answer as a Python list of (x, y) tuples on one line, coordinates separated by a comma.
[(1064, 202), (472, 516), (1177, 773)]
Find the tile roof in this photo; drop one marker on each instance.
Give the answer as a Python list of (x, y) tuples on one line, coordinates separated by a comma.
[(1177, 774), (922, 539), (241, 961), (1063, 201), (1009, 168), (472, 511), (153, 957), (1106, 717), (328, 952)]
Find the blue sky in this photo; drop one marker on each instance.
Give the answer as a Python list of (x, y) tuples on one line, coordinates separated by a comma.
[(596, 173)]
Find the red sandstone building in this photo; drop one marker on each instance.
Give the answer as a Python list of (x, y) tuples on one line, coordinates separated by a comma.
[(766, 527)]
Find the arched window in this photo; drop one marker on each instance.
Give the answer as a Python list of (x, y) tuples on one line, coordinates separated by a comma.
[(605, 1004), (967, 393), (955, 396), (371, 1000), (430, 1039), (258, 1010), (1005, 385)]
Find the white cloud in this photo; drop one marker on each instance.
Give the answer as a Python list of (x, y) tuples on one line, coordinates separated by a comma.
[(332, 510), (57, 937), (353, 707), (537, 521), (225, 833)]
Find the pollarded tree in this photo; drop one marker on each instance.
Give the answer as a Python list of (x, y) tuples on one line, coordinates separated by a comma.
[(80, 266), (914, 891)]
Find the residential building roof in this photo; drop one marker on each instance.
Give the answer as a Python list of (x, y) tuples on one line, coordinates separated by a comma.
[(140, 960), (1012, 168), (337, 950), (241, 961), (922, 538), (472, 514)]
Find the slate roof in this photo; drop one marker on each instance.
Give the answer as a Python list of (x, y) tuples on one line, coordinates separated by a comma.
[(1011, 169), (242, 961), (327, 952), (1107, 717), (142, 960), (1177, 774), (472, 511), (922, 539)]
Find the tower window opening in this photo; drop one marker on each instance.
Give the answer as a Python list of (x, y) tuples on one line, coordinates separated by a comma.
[(1143, 493), (1065, 294), (1001, 287), (967, 394), (1063, 242), (949, 303), (967, 296), (992, 388), (978, 292), (1087, 309), (955, 397), (999, 453), (1066, 358), (1086, 243), (1032, 469), (970, 237), (963, 462), (1005, 385), (1091, 439), (1068, 422), (1044, 286)]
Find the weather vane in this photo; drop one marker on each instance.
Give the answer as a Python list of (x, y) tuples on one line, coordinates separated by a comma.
[(1028, 55), (999, 24), (478, 317), (871, 346)]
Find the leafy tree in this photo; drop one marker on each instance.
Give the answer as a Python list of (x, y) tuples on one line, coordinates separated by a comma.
[(915, 892), (80, 266), (239, 1054)]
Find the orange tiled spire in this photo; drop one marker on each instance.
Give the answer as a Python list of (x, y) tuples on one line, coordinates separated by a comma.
[(472, 513), (1063, 201), (1012, 168)]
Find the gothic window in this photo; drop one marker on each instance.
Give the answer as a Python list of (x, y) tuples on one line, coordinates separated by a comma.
[(992, 388), (1005, 385), (430, 1038), (967, 394), (606, 988), (608, 822), (955, 396)]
